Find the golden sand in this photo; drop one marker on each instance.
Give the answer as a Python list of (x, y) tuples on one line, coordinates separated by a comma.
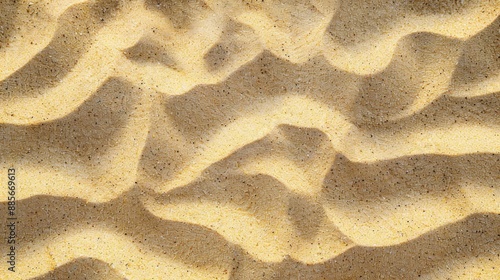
[(206, 139)]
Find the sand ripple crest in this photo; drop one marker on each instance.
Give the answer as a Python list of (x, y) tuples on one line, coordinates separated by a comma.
[(267, 139)]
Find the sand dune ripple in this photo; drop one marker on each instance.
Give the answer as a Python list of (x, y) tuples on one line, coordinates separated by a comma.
[(208, 139)]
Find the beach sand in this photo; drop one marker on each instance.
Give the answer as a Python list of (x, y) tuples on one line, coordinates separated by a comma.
[(204, 139)]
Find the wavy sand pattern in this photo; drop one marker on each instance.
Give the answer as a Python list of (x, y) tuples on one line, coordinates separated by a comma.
[(206, 139)]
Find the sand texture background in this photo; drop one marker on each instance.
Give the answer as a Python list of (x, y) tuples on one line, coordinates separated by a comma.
[(203, 139)]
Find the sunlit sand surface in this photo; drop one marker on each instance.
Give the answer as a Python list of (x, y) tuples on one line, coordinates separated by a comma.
[(209, 139)]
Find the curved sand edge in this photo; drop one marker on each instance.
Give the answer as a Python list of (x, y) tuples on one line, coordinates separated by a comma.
[(259, 140)]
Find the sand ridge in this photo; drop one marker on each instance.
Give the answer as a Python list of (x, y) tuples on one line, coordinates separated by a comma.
[(103, 226), (252, 139)]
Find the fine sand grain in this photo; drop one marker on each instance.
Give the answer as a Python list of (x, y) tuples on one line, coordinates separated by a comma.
[(221, 139)]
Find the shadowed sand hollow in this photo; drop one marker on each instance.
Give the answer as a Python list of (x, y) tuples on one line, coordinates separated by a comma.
[(219, 139)]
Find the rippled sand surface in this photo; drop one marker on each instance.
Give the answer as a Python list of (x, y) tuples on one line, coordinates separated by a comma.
[(203, 139)]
